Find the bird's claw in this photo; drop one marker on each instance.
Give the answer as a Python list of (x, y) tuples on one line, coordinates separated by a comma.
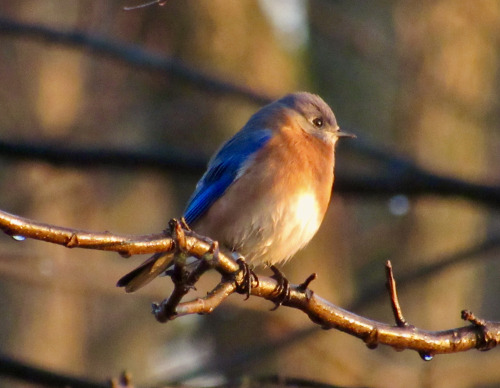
[(282, 289), (248, 277)]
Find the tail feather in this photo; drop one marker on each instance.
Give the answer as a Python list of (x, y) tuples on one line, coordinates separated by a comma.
[(147, 271)]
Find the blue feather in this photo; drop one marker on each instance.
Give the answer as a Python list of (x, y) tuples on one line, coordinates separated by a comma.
[(223, 170)]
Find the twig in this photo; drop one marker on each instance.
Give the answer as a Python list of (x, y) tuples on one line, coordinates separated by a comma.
[(391, 287), (183, 280), (273, 346), (305, 284), (208, 304)]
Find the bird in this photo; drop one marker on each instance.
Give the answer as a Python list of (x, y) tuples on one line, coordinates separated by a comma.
[(266, 190)]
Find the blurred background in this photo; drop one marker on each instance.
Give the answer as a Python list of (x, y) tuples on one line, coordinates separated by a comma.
[(414, 79)]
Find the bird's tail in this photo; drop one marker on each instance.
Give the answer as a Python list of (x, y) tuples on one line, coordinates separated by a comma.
[(147, 271)]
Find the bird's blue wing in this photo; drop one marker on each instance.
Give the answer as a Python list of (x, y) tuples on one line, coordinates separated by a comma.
[(224, 169)]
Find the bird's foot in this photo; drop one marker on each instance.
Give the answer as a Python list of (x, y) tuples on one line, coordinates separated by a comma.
[(248, 276), (282, 289)]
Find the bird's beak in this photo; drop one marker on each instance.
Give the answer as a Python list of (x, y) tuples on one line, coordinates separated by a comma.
[(341, 133)]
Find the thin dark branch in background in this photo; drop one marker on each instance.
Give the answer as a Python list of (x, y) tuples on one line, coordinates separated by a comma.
[(164, 160), (402, 176), (399, 176), (21, 371), (24, 372), (420, 183), (132, 54)]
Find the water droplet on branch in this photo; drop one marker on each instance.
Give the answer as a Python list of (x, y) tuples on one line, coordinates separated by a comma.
[(426, 356)]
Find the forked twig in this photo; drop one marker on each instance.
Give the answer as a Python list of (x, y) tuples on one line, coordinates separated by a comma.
[(183, 280)]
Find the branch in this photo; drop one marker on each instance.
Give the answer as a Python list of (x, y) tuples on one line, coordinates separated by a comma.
[(391, 287), (367, 296), (29, 373), (401, 176), (126, 245), (164, 159), (132, 54), (480, 334)]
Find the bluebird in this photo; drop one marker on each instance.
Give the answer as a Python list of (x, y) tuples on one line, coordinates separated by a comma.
[(267, 189)]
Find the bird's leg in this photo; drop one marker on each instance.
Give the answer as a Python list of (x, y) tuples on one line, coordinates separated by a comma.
[(248, 276), (282, 289)]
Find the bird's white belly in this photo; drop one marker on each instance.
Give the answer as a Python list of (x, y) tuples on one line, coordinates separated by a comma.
[(277, 232)]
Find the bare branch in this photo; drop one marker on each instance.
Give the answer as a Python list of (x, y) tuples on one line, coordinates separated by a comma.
[(481, 334), (208, 304), (29, 373), (391, 286), (126, 245), (134, 55), (401, 175), (164, 159), (368, 296)]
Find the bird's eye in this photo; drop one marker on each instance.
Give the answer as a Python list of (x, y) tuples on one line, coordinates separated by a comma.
[(318, 122)]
